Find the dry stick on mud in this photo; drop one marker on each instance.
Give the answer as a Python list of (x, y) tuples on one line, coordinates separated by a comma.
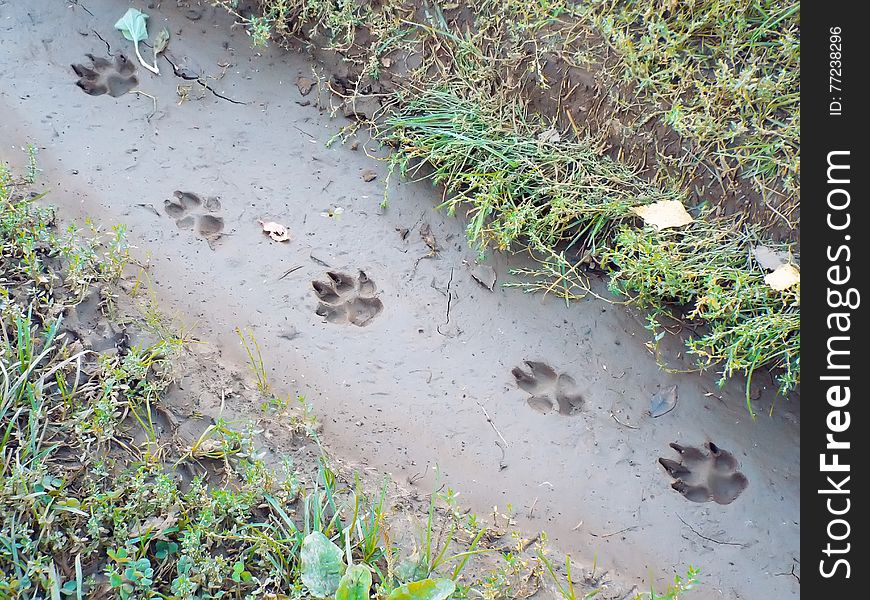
[(607, 535), (502, 465), (492, 424), (290, 270), (709, 539), (449, 297)]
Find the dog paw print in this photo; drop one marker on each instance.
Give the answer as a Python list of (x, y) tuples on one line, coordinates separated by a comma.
[(115, 78), (347, 299), (548, 391), (706, 474), (192, 211)]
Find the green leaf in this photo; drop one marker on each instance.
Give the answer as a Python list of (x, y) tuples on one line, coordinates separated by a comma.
[(132, 25), (322, 565), (411, 569), (428, 589), (355, 584)]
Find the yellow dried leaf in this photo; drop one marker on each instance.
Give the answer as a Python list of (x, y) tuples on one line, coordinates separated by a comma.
[(784, 277), (664, 214)]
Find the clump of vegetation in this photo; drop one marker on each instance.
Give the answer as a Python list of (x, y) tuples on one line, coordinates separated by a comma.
[(517, 185), (96, 501), (709, 268), (723, 74)]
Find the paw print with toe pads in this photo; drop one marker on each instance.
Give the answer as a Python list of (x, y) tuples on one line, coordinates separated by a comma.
[(347, 299), (114, 78), (702, 475), (192, 211), (548, 390)]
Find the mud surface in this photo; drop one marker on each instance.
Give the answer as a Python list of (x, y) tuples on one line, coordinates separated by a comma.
[(410, 360)]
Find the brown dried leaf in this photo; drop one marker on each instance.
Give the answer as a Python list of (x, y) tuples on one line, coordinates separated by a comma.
[(304, 85), (428, 237), (664, 214)]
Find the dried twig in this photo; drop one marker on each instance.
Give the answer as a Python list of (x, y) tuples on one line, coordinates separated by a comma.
[(709, 539)]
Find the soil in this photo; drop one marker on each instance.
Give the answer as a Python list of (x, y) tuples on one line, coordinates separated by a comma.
[(418, 384)]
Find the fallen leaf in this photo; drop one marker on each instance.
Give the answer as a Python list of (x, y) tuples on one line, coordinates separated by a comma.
[(663, 402), (160, 42), (769, 258), (484, 275), (369, 175), (784, 277), (664, 214), (155, 526), (134, 28), (275, 230), (403, 232), (304, 85), (551, 136), (428, 237)]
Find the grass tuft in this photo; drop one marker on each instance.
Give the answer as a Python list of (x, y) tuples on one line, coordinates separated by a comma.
[(514, 185)]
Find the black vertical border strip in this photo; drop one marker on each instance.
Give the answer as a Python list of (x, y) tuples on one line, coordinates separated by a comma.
[(821, 134)]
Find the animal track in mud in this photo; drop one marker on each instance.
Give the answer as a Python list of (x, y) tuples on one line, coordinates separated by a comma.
[(548, 390), (347, 299), (106, 77), (191, 211), (702, 475)]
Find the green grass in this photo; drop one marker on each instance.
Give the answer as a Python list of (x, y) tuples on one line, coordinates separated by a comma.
[(725, 74), (96, 502), (709, 267), (515, 187)]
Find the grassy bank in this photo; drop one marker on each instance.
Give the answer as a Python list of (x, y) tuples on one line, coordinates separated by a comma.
[(568, 205), (723, 74), (724, 77), (102, 496)]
